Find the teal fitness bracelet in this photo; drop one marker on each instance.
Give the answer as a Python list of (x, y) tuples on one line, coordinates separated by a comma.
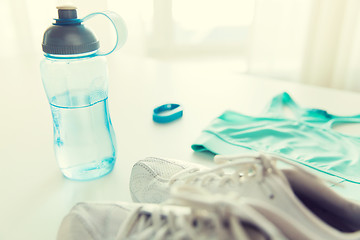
[(167, 113)]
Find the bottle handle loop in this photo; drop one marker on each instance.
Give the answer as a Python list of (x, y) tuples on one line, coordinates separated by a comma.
[(120, 29)]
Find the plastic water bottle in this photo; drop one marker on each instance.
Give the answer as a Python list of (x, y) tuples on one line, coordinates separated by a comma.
[(75, 78)]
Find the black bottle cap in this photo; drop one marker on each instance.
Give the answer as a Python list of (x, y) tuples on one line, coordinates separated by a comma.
[(68, 35)]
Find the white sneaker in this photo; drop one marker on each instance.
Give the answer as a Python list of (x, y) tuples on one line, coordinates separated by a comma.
[(192, 218), (150, 178), (295, 193)]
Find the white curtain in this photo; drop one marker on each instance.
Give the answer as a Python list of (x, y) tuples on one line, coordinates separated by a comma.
[(310, 41)]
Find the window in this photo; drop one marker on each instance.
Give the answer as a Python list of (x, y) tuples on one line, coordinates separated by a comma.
[(185, 27)]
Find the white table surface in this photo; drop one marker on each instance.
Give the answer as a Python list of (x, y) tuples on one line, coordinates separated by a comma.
[(35, 196)]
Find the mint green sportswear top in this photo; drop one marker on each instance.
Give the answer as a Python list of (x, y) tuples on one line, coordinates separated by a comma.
[(307, 139)]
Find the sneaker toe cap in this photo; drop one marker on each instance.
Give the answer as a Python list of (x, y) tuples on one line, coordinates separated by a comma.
[(149, 180)]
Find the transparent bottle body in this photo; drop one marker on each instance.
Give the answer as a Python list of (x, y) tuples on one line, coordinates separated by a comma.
[(84, 139)]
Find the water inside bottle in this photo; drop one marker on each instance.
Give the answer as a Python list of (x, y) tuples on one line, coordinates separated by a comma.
[(84, 138)]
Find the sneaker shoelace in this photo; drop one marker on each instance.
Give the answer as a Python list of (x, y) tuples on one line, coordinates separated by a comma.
[(244, 167), (213, 214)]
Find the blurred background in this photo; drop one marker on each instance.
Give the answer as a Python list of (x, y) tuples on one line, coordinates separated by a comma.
[(310, 41)]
